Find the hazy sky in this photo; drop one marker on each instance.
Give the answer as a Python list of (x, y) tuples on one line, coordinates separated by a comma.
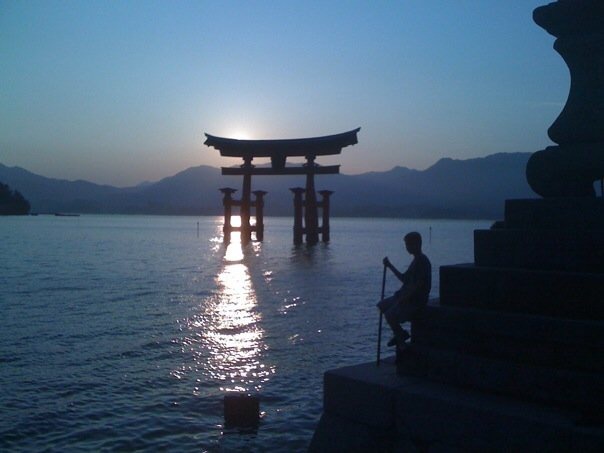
[(118, 92)]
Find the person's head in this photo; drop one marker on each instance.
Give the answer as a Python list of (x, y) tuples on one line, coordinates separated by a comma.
[(413, 242)]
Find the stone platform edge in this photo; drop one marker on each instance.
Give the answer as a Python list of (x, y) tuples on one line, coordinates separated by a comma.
[(371, 408)]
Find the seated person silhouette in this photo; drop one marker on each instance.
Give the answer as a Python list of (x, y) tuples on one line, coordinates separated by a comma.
[(408, 302)]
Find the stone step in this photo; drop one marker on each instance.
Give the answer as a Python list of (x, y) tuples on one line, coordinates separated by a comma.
[(529, 339), (446, 418), (546, 249), (574, 295), (364, 393), (369, 408), (578, 214), (581, 391)]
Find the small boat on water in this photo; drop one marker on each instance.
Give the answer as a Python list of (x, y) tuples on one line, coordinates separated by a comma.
[(64, 214)]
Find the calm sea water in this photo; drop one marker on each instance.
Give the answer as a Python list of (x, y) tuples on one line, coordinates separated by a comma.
[(125, 332)]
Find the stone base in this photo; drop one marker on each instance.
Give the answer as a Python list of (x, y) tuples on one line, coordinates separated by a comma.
[(552, 361), (546, 257), (473, 380), (572, 295), (570, 170), (535, 340), (542, 249), (547, 360), (369, 408), (565, 234), (575, 214), (511, 360)]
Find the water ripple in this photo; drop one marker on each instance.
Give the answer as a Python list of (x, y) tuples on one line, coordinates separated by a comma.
[(124, 333)]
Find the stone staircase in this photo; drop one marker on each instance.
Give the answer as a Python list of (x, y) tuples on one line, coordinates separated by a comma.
[(557, 362), (511, 358)]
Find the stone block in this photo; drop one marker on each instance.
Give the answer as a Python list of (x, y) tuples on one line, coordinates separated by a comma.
[(530, 339), (572, 214), (472, 421), (573, 295), (580, 391), (241, 410), (425, 415), (335, 433), (363, 393), (545, 249), (587, 439)]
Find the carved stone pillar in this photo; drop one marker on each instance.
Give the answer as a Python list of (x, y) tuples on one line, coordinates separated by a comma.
[(571, 168)]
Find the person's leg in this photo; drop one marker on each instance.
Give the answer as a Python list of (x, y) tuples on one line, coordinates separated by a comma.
[(393, 316), (407, 313), (389, 308), (386, 304)]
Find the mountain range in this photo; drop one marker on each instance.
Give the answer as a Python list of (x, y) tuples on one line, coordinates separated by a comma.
[(451, 188)]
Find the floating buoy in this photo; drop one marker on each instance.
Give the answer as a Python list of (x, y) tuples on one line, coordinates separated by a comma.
[(241, 410)]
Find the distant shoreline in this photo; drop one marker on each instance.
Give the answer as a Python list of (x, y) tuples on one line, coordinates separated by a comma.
[(285, 216)]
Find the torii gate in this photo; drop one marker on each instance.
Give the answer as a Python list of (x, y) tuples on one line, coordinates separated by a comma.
[(279, 151)]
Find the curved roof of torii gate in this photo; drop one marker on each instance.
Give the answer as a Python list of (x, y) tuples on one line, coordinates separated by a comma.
[(316, 146)]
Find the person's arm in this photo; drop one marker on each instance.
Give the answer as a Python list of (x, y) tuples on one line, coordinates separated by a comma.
[(395, 271)]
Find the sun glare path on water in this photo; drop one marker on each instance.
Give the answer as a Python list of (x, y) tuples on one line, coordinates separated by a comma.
[(229, 327), (234, 252)]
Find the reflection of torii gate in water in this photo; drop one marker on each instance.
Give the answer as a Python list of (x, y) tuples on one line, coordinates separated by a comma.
[(305, 199)]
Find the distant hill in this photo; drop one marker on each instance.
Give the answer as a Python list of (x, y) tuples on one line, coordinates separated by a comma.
[(12, 202), (471, 188)]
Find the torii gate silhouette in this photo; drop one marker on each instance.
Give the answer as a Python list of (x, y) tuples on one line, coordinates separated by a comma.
[(305, 199)]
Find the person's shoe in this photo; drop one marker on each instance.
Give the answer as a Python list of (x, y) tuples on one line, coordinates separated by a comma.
[(399, 341)]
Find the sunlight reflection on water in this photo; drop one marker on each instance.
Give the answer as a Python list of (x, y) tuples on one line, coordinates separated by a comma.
[(234, 253), (233, 339)]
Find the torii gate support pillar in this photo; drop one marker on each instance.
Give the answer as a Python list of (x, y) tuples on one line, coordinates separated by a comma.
[(227, 202), (298, 210), (259, 204), (325, 194)]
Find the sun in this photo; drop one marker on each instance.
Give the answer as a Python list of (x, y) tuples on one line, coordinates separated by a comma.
[(240, 134)]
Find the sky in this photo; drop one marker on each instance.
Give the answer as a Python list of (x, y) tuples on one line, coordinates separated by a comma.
[(120, 92)]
